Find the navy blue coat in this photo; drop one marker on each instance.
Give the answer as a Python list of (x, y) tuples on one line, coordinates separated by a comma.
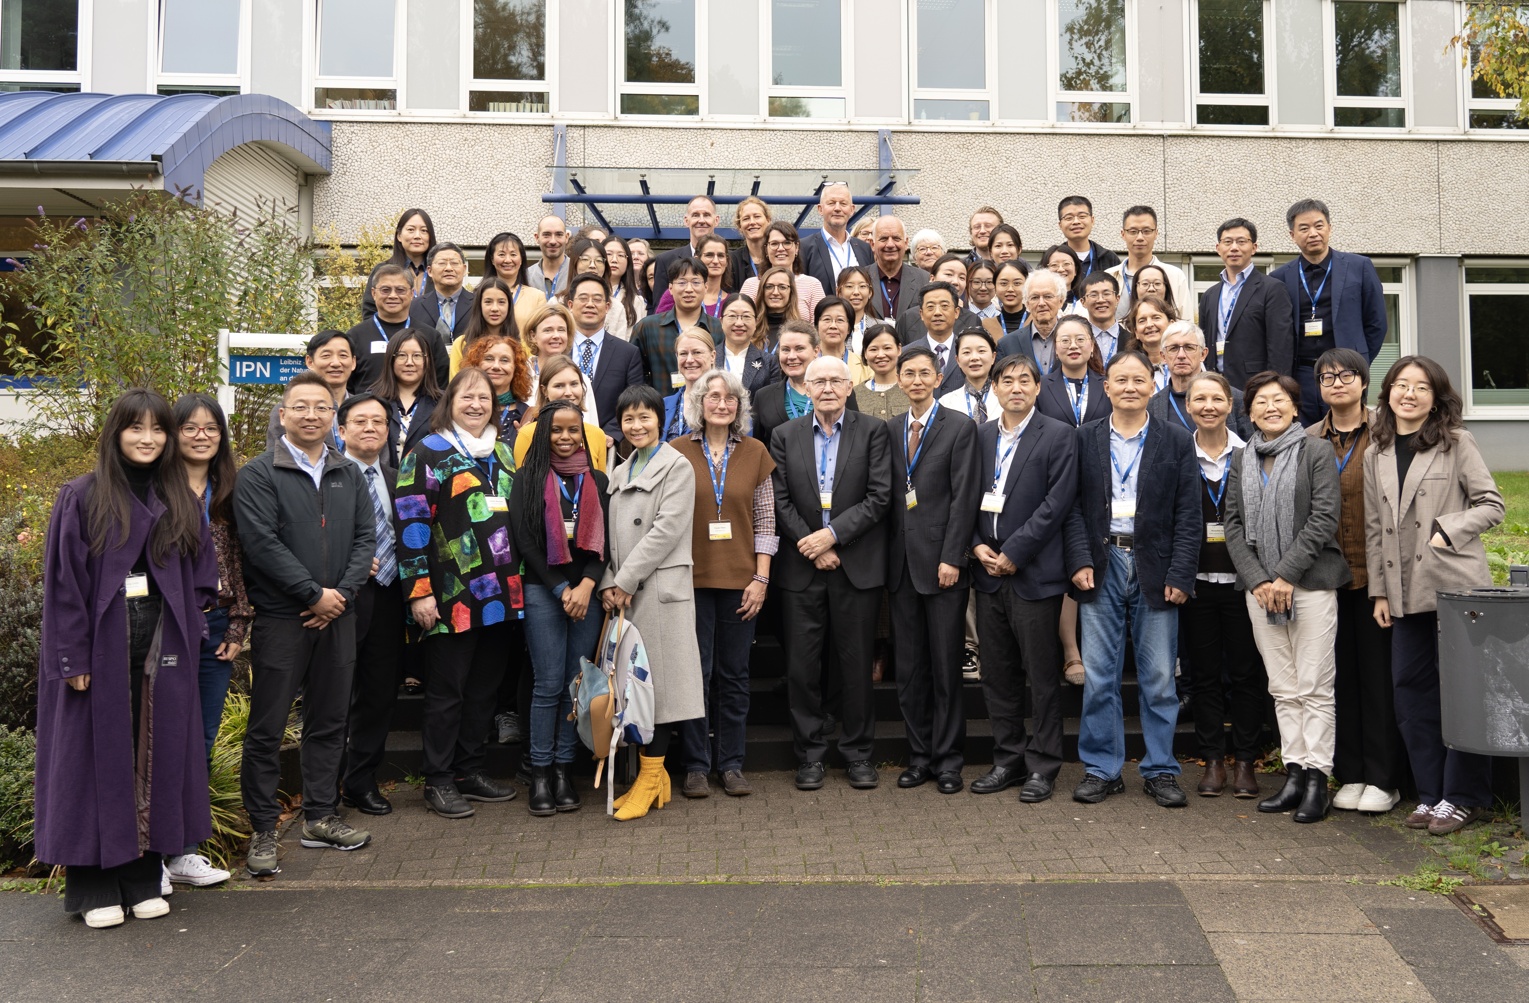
[(1053, 401), (1040, 494), (1358, 302)]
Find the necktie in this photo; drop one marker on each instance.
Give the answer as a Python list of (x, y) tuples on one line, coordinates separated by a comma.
[(587, 359), (387, 563), (979, 408), (939, 355), (449, 312), (915, 433)]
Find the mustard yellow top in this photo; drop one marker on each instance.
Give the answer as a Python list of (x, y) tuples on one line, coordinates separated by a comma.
[(593, 433), (528, 302)]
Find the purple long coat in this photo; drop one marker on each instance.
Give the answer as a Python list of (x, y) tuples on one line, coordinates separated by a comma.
[(97, 803)]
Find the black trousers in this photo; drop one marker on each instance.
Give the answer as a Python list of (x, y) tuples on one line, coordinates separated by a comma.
[(374, 687), (287, 657), (1020, 643), (1226, 673), (830, 612), (1461, 778), (1368, 745), (929, 633), (465, 670)]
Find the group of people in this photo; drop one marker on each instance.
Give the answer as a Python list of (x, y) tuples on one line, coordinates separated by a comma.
[(951, 468)]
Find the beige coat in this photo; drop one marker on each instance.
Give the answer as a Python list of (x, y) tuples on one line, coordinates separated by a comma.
[(649, 541), (1446, 492)]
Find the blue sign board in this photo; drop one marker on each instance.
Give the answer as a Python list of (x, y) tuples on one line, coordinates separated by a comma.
[(278, 369)]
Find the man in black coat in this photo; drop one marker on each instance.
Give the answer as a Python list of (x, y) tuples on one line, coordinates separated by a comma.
[(833, 484), (447, 302), (1246, 314), (831, 250), (700, 219), (397, 309), (934, 491), (610, 364)]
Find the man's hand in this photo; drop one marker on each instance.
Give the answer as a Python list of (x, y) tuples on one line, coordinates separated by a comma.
[(330, 604), (814, 545), (1084, 578), (827, 561), (947, 575), (1176, 596)]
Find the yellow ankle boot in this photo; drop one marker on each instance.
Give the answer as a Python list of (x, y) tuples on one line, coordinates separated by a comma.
[(646, 791), (663, 797)]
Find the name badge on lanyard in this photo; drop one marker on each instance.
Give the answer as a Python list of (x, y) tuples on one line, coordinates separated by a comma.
[(722, 529), (137, 586), (496, 503), (1215, 532), (825, 500), (992, 501), (1313, 329)]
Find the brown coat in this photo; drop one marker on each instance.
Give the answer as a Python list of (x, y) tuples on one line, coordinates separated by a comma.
[(1446, 492), (1351, 483)]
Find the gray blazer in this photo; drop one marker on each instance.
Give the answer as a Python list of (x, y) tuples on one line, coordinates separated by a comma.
[(1451, 493), (1313, 561)]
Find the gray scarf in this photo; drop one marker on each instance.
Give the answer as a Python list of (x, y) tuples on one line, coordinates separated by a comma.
[(1269, 505)]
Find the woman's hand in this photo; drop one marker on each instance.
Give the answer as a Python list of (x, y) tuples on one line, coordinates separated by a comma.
[(753, 600), (1382, 611), (615, 598), (576, 599), (79, 683), (426, 614), (1282, 594), (228, 650)]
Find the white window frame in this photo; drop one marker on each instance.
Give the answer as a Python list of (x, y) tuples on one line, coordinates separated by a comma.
[(1468, 391), (79, 76), (988, 92), (314, 81), (843, 92), (1055, 95), (1330, 72), (239, 79), (702, 68), (1198, 97), (1472, 103), (549, 67)]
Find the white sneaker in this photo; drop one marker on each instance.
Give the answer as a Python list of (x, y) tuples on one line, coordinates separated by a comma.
[(165, 888), (111, 915), (195, 870), (1378, 801), (151, 909), (1348, 796)]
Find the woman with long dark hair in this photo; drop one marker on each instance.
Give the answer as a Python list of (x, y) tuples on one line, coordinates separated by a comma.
[(855, 287), (623, 281), (493, 312), (505, 259), (412, 239), (783, 249), (408, 388), (121, 761), (1061, 259)]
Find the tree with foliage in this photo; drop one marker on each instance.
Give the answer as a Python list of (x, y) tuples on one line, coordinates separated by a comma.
[(509, 39), (1494, 42)]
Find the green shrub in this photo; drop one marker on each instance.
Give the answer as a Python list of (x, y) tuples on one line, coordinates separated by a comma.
[(230, 826), (20, 625), (18, 771)]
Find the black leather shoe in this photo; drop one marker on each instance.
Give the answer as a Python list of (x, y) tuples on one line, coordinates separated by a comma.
[(1035, 790), (1290, 795), (999, 778), (477, 787), (539, 801), (564, 796), (861, 775), (949, 782), (523, 771), (368, 802), (1095, 789), (1165, 790), (913, 776), (809, 776), (1314, 799), (447, 802)]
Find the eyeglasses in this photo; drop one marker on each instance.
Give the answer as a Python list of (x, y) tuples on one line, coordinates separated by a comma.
[(1235, 242), (1076, 217), (720, 400), (1141, 231), (588, 300), (410, 357), (393, 291), (1181, 349), (832, 381), (1010, 283), (690, 283), (1416, 389), (1344, 376), (367, 423), (981, 283), (303, 410), (201, 431), (1070, 340), (779, 245)]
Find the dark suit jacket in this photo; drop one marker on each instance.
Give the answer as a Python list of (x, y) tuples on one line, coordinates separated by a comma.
[(1358, 302), (661, 271), (419, 426), (759, 369), (1167, 544), (939, 528), (817, 262), (1257, 337), (618, 366), (910, 326), (861, 495), (912, 279), (1017, 343), (1039, 495), (1053, 402), (1161, 408), (770, 408), (740, 268), (432, 309)]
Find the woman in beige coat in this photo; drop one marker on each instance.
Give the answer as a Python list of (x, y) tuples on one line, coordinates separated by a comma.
[(651, 506), (1428, 497)]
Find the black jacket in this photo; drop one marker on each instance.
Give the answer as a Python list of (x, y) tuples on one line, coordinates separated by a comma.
[(1258, 337), (430, 303), (618, 366), (1039, 495), (1054, 402), (938, 529), (419, 427), (759, 368), (770, 408), (369, 343), (817, 262), (583, 564)]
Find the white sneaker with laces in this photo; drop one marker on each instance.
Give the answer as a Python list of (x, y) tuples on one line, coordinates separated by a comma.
[(1348, 796), (100, 919), (151, 909), (195, 870), (1376, 800), (165, 888)]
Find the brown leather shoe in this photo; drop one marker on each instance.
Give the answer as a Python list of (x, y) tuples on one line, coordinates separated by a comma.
[(1244, 780), (1214, 780)]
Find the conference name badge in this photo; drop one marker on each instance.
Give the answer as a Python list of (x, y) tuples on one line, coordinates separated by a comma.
[(911, 498), (137, 586), (496, 503), (676, 380), (568, 528), (720, 530), (992, 502), (1123, 508), (1313, 329), (825, 500), (378, 347), (1215, 532)]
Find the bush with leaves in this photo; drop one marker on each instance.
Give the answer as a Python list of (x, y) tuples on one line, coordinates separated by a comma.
[(18, 772), (1494, 42)]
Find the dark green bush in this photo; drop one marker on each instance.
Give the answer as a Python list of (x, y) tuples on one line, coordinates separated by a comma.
[(18, 770)]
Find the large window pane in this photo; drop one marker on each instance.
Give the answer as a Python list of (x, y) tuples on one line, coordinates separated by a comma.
[(356, 38), (1383, 118), (660, 43), (1093, 45), (39, 34), (951, 110), (1499, 349), (509, 39), (200, 36), (1232, 47), (952, 45), (1232, 114), (806, 43), (1368, 49)]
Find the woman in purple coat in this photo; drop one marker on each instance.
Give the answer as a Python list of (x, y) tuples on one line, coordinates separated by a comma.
[(130, 567)]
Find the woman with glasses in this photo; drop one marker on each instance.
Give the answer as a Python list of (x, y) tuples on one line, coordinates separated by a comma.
[(1428, 497), (833, 320), (777, 303), (980, 294), (408, 389), (854, 287), (1149, 282), (926, 247), (1060, 258), (711, 251), (505, 259), (743, 353), (694, 353), (783, 248), (1148, 322), (623, 280)]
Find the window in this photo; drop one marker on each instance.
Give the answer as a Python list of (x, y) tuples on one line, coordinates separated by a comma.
[(1486, 109), (357, 48), (199, 46), (1231, 61), (1091, 62), (509, 57), (1368, 64), (1497, 301), (807, 59), (39, 45), (659, 70), (951, 60)]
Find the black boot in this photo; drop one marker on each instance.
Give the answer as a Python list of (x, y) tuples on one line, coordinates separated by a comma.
[(540, 802), (1314, 802), (563, 794), (1290, 795)]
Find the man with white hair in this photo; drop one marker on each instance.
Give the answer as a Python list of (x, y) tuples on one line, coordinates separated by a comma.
[(831, 250), (1185, 351), (1045, 292), (833, 485), (897, 282)]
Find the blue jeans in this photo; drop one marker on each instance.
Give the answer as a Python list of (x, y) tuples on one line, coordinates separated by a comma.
[(1155, 636), (556, 644), (725, 639), (212, 676)]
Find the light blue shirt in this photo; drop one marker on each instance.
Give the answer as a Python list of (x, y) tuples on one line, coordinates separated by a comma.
[(579, 339), (826, 443), (1107, 340), (313, 470), (367, 466), (1125, 456)]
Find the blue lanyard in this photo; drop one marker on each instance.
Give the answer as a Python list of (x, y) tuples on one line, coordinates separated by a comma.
[(1323, 285), (924, 439), (1346, 456), (971, 411), (514, 299), (1000, 460), (717, 485), (886, 294), (385, 335), (1077, 391), (828, 440), (679, 416), (1125, 475), (791, 410), (1216, 496), (1126, 281), (492, 458), (716, 308), (1182, 420), (572, 500), (849, 253), (1229, 294)]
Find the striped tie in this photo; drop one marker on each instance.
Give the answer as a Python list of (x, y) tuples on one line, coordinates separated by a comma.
[(387, 563)]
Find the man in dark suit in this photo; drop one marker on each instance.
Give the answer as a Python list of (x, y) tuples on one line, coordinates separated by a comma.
[(934, 490), (610, 364), (1336, 300), (897, 282), (1029, 480), (1185, 352), (1045, 292), (950, 269), (939, 310), (701, 219), (1244, 313), (788, 398), (448, 304), (1073, 393), (833, 484), (1132, 545), (396, 309), (831, 250)]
